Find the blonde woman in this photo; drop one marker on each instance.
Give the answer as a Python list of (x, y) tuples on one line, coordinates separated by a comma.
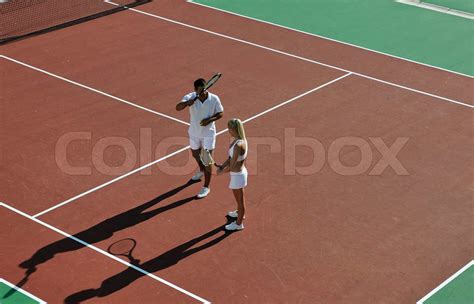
[(238, 173)]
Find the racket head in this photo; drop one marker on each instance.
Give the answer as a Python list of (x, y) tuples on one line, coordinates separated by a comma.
[(212, 81), (122, 247), (206, 157)]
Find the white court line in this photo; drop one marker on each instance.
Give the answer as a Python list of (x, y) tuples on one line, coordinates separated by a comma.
[(297, 97), (105, 253), (296, 56), (327, 38), (92, 89), (18, 289), (471, 263), (183, 149), (437, 8), (289, 101), (109, 182)]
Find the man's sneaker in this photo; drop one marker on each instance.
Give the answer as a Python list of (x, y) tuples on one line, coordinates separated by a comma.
[(197, 176), (234, 227), (204, 192), (233, 214)]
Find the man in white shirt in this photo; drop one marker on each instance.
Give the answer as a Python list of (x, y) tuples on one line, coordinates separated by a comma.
[(204, 111)]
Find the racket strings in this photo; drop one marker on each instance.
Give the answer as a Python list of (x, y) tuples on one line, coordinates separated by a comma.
[(212, 81), (206, 157)]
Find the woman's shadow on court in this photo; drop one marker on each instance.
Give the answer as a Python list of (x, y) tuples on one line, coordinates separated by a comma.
[(101, 231), (165, 260)]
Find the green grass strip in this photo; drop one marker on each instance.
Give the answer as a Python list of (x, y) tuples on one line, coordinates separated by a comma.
[(386, 26)]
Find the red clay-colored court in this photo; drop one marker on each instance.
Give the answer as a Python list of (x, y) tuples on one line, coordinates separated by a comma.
[(351, 229)]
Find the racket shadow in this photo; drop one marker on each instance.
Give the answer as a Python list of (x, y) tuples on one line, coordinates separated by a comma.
[(124, 248), (163, 261), (103, 230)]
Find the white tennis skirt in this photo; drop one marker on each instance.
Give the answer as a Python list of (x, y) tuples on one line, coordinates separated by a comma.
[(238, 180)]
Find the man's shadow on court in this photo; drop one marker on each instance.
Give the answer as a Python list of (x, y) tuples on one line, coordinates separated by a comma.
[(101, 231), (165, 260)]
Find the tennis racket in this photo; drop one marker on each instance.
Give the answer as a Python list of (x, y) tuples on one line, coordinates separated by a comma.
[(209, 84), (124, 248), (206, 158)]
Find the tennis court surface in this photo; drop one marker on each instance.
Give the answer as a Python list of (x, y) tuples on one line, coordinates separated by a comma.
[(361, 165)]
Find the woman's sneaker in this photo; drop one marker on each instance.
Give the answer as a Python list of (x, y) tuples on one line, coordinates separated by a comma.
[(234, 227), (233, 214)]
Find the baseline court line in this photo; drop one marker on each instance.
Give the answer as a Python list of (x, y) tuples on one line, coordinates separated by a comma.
[(429, 295), (105, 253), (327, 38), (296, 56), (18, 289)]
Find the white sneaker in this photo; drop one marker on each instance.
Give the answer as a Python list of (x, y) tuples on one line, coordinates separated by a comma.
[(233, 226), (197, 176), (233, 214), (204, 192)]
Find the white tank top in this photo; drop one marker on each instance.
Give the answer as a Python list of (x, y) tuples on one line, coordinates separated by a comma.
[(231, 150)]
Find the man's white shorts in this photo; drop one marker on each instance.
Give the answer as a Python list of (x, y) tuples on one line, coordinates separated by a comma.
[(208, 143)]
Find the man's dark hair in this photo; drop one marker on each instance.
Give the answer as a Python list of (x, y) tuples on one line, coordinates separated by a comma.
[(199, 83)]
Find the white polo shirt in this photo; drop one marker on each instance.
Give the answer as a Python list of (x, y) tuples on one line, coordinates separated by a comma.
[(201, 110)]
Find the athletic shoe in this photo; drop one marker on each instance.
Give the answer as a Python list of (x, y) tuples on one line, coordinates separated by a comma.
[(204, 192), (234, 227), (233, 214), (197, 176)]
